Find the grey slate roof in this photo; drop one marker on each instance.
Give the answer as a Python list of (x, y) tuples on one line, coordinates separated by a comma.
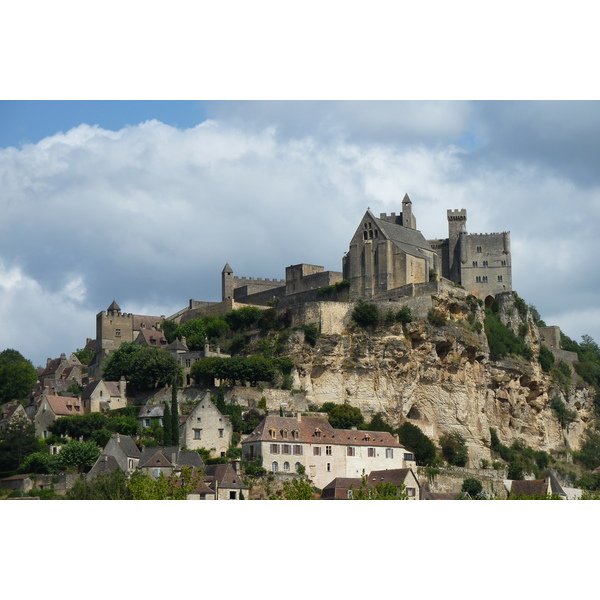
[(150, 411), (409, 240), (183, 458), (105, 464), (126, 444)]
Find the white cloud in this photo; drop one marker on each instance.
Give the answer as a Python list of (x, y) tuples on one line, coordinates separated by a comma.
[(148, 215)]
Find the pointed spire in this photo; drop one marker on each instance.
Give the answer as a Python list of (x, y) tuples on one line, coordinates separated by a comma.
[(406, 199), (114, 306), (227, 269)]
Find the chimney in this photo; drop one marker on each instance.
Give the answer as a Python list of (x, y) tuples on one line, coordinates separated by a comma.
[(299, 417), (174, 458)]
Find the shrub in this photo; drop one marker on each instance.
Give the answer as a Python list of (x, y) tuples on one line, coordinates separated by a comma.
[(418, 443), (565, 415), (404, 315), (344, 416), (436, 317), (311, 333), (520, 305), (473, 487), (454, 449), (366, 314), (545, 358), (502, 341)]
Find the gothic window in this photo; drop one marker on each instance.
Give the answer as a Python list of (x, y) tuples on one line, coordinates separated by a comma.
[(499, 277), (376, 232), (478, 248), (478, 279), (485, 263), (365, 235), (286, 466), (503, 263), (474, 263), (370, 234), (485, 279)]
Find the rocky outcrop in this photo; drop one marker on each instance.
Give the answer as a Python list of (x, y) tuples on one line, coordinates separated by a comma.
[(441, 378)]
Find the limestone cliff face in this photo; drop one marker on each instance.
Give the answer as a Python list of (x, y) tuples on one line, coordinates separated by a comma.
[(441, 378)]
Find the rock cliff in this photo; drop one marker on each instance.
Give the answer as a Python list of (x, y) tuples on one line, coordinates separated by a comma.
[(441, 378)]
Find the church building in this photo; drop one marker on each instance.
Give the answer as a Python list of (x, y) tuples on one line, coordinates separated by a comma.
[(389, 252)]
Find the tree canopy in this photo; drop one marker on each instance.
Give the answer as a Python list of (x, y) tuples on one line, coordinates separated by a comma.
[(344, 416), (17, 376)]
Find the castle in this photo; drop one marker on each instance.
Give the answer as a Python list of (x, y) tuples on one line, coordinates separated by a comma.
[(387, 253)]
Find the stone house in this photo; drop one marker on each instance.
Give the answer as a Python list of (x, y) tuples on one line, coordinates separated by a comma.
[(63, 368), (206, 427), (18, 483), (342, 488), (124, 451), (151, 415), (51, 408), (186, 357), (286, 443), (101, 396), (225, 482), (151, 338), (14, 411), (167, 460), (531, 487)]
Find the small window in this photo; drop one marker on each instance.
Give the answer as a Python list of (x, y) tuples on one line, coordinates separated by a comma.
[(297, 466), (328, 450), (474, 263), (275, 467), (485, 279), (233, 495), (317, 451), (485, 263), (286, 449), (389, 453), (503, 263), (297, 449), (328, 467), (118, 333), (156, 472), (197, 434), (478, 279), (286, 466), (478, 248), (499, 277), (410, 492), (273, 433), (409, 456), (274, 448), (351, 451), (221, 433), (371, 452), (199, 419)]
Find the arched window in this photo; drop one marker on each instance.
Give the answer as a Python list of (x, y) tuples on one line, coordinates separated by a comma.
[(297, 466), (286, 466), (275, 467)]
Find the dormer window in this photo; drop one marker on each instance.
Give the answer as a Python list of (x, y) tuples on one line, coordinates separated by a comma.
[(284, 434), (317, 433), (295, 434), (273, 433)]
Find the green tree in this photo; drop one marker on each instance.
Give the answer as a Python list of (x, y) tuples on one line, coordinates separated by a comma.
[(78, 455), (378, 423), (381, 491), (17, 441), (106, 486), (118, 364), (84, 355), (454, 449), (344, 416), (545, 358), (565, 415), (589, 451), (243, 318), (17, 376), (39, 462), (413, 439), (167, 427), (152, 368), (143, 487), (298, 489), (168, 328), (174, 414), (366, 314), (473, 487), (404, 315)]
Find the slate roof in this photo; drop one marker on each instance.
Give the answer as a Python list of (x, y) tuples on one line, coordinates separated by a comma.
[(141, 322), (183, 458), (126, 444), (178, 345), (105, 464), (150, 411), (9, 411), (308, 432), (111, 386), (114, 306)]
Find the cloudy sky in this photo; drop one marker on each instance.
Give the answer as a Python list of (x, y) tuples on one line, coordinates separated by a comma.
[(144, 202)]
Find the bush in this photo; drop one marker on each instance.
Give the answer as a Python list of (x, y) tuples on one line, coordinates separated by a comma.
[(413, 439), (454, 449), (502, 341), (311, 333), (564, 415), (404, 315), (546, 358), (473, 487), (344, 416), (436, 317), (366, 314)]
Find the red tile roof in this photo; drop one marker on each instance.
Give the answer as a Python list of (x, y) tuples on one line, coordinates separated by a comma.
[(64, 405)]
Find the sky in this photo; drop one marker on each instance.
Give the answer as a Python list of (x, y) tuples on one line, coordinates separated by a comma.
[(144, 202)]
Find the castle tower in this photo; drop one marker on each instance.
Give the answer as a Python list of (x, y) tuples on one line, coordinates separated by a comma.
[(457, 225), (227, 282), (408, 219)]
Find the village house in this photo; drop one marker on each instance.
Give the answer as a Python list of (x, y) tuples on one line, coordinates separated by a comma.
[(343, 488), (206, 427), (151, 415), (10, 413), (225, 482), (283, 444), (63, 368), (167, 460), (123, 449), (51, 408), (101, 396)]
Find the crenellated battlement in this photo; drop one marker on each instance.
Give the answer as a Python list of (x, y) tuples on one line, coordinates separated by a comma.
[(244, 280), (458, 214)]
